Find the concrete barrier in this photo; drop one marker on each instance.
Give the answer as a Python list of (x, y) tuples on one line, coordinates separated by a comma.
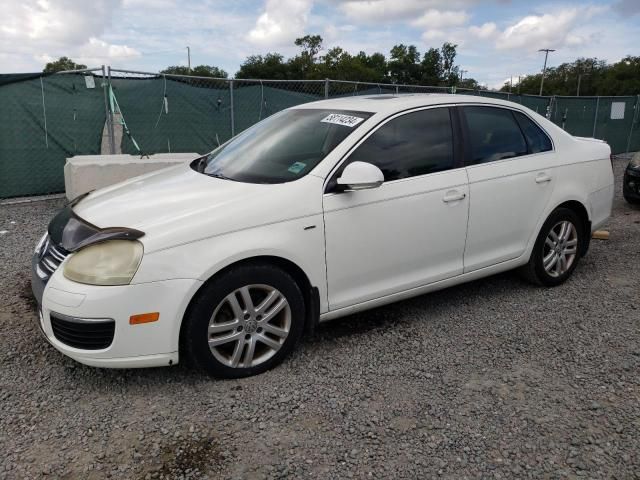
[(90, 172)]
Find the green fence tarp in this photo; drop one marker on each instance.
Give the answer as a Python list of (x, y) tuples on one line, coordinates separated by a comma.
[(31, 157), (195, 115)]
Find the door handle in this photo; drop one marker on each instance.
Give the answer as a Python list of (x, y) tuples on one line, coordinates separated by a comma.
[(453, 196), (542, 178)]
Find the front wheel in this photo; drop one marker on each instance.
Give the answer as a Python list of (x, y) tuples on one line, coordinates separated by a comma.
[(244, 322), (557, 249)]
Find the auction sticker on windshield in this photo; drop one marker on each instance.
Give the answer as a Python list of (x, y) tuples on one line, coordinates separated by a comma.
[(341, 119), (297, 167)]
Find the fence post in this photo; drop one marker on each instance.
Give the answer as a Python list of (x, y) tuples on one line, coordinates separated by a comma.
[(595, 118), (326, 88), (636, 106), (233, 123), (112, 138)]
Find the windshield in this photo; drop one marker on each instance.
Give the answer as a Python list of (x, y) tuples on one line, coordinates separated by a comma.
[(281, 148)]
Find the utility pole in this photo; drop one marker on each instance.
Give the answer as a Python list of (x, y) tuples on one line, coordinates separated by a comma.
[(579, 81), (188, 59), (462, 72), (518, 84), (578, 89), (544, 69)]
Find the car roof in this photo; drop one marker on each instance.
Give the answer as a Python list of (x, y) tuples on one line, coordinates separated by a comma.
[(388, 104)]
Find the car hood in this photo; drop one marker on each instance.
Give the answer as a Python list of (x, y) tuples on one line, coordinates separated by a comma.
[(178, 205)]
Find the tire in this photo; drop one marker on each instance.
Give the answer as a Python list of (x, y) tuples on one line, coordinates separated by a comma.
[(232, 337), (558, 273), (631, 200)]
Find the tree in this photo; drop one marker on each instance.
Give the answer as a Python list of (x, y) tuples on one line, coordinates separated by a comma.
[(311, 45), (303, 64), (404, 66), (63, 63), (378, 63), (595, 77), (341, 65), (449, 69), (199, 71), (621, 78), (269, 67), (470, 83), (431, 67)]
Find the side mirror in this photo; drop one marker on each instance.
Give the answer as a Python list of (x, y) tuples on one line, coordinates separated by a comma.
[(361, 176)]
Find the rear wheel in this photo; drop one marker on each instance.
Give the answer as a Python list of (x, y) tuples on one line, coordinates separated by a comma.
[(244, 322), (557, 249)]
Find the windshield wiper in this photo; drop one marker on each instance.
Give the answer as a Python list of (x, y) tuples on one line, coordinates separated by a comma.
[(220, 176)]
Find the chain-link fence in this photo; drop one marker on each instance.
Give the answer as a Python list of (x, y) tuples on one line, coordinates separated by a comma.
[(48, 118), (44, 120)]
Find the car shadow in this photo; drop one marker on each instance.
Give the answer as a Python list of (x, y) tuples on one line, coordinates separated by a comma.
[(438, 302)]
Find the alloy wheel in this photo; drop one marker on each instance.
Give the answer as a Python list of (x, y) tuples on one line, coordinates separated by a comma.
[(249, 326), (560, 248)]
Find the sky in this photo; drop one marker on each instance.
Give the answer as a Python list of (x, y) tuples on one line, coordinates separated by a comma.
[(496, 39)]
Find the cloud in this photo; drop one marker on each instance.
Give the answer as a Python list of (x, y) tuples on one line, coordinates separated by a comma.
[(384, 11), (150, 4), (281, 22), (551, 30), (54, 22), (441, 19), (433, 34), (96, 50), (149, 35), (486, 30), (627, 7), (333, 33), (43, 30)]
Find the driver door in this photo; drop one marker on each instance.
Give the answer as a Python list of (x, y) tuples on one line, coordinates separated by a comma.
[(411, 230)]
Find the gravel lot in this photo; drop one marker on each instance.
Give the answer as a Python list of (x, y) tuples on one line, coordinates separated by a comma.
[(495, 378)]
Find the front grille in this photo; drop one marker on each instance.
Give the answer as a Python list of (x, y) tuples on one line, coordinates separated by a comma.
[(51, 256), (81, 333)]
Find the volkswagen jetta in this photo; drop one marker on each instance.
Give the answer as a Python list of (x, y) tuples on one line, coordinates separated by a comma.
[(319, 211)]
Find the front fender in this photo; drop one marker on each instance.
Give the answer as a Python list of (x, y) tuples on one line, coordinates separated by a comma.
[(300, 241)]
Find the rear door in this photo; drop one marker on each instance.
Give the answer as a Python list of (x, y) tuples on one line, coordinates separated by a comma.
[(509, 165)]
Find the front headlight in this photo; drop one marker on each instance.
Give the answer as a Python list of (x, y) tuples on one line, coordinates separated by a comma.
[(635, 163), (113, 262)]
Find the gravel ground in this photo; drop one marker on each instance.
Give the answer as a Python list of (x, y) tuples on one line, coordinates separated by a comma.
[(495, 378)]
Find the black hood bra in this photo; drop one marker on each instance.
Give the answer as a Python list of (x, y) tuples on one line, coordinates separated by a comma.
[(73, 233)]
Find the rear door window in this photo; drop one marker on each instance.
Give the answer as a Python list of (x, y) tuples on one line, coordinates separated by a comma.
[(537, 140), (494, 134)]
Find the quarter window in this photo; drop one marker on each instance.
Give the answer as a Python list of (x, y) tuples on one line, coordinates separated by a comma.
[(413, 144), (494, 134), (537, 140)]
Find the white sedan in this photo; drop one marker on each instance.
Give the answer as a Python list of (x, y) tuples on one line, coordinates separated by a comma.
[(317, 212)]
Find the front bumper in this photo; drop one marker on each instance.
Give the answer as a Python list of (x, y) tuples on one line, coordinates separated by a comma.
[(133, 346)]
